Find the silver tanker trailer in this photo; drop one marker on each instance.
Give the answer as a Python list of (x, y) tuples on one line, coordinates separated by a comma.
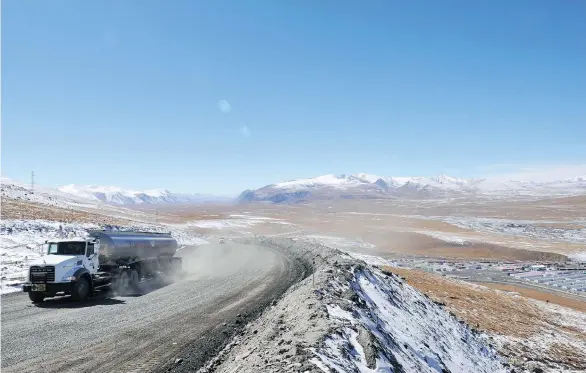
[(115, 259)]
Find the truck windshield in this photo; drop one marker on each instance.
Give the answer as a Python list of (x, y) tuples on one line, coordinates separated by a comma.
[(66, 248)]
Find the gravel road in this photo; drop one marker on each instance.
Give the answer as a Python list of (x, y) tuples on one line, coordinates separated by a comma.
[(190, 319)]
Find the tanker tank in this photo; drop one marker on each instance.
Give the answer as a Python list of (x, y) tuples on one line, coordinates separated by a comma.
[(114, 246)]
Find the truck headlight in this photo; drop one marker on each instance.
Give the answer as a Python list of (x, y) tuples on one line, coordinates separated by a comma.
[(69, 278)]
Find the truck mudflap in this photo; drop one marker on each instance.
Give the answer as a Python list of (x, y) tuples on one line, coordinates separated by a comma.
[(50, 288)]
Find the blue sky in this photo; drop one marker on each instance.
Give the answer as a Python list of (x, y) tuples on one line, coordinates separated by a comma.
[(219, 96)]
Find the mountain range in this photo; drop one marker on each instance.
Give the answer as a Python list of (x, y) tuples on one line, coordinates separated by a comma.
[(368, 186), (92, 195), (120, 196), (326, 187)]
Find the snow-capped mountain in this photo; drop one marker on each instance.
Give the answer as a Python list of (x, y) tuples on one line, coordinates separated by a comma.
[(14, 190), (363, 186), (95, 196), (120, 196)]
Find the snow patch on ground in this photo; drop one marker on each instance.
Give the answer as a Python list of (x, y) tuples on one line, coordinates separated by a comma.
[(340, 243), (338, 346), (252, 217), (371, 259), (525, 228), (451, 238), (236, 221), (403, 330), (518, 228), (579, 257)]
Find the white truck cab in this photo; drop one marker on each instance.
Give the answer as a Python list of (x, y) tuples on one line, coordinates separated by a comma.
[(67, 267)]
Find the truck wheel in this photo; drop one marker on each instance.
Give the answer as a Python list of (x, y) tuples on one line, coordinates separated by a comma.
[(36, 297), (134, 279), (81, 289), (123, 282)]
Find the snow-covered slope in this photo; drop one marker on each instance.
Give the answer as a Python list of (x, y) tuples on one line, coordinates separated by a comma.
[(120, 196), (386, 325), (362, 186)]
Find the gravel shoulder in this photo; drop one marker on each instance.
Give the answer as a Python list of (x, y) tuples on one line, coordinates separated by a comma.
[(187, 321), (280, 339)]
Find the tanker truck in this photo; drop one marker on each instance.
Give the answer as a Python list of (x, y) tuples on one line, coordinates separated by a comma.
[(116, 260)]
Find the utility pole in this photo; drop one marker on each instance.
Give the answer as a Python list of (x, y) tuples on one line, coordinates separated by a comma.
[(32, 182), (313, 273)]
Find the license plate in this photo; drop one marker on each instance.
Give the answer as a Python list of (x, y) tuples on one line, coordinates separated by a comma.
[(39, 287)]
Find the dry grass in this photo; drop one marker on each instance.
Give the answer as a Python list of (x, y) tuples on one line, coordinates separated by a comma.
[(13, 209), (428, 225), (532, 330), (420, 244), (185, 213), (540, 295), (480, 307), (574, 201)]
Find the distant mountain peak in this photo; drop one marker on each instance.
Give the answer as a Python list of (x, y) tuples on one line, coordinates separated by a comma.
[(363, 185), (120, 196)]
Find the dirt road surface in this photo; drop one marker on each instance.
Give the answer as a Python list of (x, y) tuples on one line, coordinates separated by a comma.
[(190, 319)]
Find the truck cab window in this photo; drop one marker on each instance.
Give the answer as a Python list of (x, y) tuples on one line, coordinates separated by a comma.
[(52, 248), (66, 248)]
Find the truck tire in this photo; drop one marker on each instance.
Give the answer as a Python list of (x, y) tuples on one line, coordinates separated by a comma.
[(81, 289), (134, 280), (36, 297), (123, 282)]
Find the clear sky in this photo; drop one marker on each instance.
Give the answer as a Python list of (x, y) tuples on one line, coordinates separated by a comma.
[(219, 96)]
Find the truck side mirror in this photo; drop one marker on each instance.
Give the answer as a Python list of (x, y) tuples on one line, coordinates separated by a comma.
[(90, 250)]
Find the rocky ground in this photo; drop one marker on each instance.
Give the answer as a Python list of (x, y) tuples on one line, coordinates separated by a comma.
[(347, 317)]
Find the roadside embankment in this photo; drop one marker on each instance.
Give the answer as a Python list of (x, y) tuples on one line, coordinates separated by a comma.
[(347, 317)]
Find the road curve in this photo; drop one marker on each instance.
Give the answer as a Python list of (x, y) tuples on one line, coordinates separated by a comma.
[(191, 318)]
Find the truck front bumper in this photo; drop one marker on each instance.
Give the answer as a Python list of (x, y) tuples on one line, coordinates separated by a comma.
[(50, 288)]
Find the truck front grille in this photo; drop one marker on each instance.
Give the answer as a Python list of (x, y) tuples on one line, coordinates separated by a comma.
[(41, 275)]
